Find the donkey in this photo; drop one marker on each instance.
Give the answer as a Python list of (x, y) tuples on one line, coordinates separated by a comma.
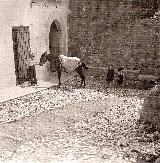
[(69, 64)]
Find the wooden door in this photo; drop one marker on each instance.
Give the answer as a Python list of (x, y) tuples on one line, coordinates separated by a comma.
[(21, 48)]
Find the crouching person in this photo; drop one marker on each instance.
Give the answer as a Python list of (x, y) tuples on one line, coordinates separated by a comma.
[(120, 76), (31, 70)]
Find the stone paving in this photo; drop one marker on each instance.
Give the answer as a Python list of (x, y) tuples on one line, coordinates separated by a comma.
[(71, 125), (48, 136)]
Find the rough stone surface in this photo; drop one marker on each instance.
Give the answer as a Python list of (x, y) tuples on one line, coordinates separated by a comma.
[(103, 32), (158, 160), (92, 124), (151, 107)]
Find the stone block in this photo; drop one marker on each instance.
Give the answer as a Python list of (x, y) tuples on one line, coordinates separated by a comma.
[(150, 111)]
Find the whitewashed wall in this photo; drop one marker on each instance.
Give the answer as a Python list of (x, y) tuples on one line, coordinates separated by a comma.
[(39, 18)]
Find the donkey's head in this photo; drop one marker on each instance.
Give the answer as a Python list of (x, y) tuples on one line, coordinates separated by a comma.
[(43, 58)]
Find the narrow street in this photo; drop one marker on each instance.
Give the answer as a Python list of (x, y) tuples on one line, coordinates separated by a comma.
[(73, 125)]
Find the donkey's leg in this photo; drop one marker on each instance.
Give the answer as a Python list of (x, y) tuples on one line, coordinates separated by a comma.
[(59, 76), (80, 73), (84, 80)]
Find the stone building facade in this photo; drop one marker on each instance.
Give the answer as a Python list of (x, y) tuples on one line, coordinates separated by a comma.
[(30, 26), (120, 32)]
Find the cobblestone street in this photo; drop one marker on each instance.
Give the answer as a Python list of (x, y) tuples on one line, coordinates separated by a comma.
[(58, 135), (72, 125)]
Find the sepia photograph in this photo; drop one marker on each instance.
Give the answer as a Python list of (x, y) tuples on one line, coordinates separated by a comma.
[(79, 81)]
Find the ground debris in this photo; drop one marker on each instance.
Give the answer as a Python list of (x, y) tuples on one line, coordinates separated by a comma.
[(100, 124)]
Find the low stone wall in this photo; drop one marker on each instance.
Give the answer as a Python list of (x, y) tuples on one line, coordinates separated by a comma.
[(97, 72), (138, 80), (132, 78), (131, 74)]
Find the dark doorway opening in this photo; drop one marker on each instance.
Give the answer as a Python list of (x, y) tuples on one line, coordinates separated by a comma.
[(54, 44)]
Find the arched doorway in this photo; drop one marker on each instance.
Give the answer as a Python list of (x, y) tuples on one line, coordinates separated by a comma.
[(54, 43)]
